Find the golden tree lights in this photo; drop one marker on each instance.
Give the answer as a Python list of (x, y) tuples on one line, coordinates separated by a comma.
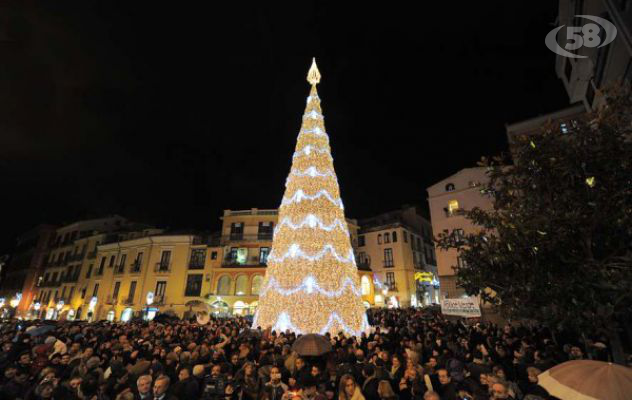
[(312, 284)]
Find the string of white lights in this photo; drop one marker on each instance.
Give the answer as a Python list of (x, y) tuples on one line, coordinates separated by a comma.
[(295, 252), (313, 172), (308, 150), (334, 317), (315, 97), (309, 286), (299, 196), (313, 115), (313, 222)]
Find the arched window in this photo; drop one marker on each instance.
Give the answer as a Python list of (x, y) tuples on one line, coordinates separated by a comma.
[(365, 284), (394, 236), (223, 285), (387, 237), (449, 187), (257, 281), (241, 285), (379, 238)]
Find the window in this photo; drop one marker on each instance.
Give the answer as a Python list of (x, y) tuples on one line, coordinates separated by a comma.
[(387, 237), (213, 255), (459, 235), (194, 285), (89, 271), (257, 281), (112, 259), (236, 231), (388, 258), (453, 206), (121, 266), (197, 259), (363, 260), (137, 263), (132, 292), (379, 238), (100, 271), (159, 294), (412, 242), (419, 247), (365, 285), (63, 292), (263, 255), (361, 242), (165, 259), (56, 295), (390, 280), (96, 290), (238, 255), (241, 285), (223, 285), (265, 231), (70, 293), (83, 293), (405, 237), (55, 276), (117, 288), (460, 262), (394, 237), (449, 187)]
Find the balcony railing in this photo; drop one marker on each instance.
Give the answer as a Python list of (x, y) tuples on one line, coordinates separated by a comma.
[(388, 264), (128, 301), (119, 269), (92, 255), (135, 268), (253, 261), (196, 264), (160, 299), (67, 278), (111, 300), (239, 237), (454, 212), (50, 284), (162, 267)]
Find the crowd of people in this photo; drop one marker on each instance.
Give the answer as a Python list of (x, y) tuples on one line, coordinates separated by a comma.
[(409, 354)]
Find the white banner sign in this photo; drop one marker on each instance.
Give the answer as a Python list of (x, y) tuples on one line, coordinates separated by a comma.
[(465, 307)]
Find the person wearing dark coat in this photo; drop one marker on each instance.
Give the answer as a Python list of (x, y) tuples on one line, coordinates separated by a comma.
[(187, 387), (371, 382)]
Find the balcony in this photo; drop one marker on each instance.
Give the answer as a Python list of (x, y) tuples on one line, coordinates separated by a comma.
[(128, 301), (70, 278), (454, 212), (92, 255), (239, 237), (50, 284), (250, 262), (135, 268), (160, 300), (111, 300), (119, 269), (388, 264), (162, 267), (196, 264)]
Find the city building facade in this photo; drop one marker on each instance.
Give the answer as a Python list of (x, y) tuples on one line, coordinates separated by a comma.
[(448, 199), (397, 247)]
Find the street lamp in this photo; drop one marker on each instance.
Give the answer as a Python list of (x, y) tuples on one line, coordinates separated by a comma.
[(14, 302)]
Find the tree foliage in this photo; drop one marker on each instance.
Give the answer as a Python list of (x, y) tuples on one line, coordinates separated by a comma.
[(557, 245)]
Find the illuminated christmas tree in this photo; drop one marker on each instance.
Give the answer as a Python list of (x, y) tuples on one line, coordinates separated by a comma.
[(311, 283)]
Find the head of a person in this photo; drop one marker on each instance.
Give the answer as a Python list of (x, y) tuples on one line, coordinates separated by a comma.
[(249, 369), (432, 362), (275, 375), (10, 372), (315, 372), (397, 361), (216, 371), (499, 372), (368, 370), (234, 359), (25, 358), (430, 395), (299, 363), (499, 391), (45, 390), (75, 382), (184, 374), (347, 386), (576, 353), (161, 385), (385, 390), (359, 355), (533, 373), (444, 376), (309, 386), (21, 376), (198, 371)]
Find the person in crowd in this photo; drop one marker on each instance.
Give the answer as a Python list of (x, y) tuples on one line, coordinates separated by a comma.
[(349, 389)]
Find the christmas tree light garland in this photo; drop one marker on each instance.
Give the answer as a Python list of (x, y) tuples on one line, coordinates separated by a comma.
[(312, 283)]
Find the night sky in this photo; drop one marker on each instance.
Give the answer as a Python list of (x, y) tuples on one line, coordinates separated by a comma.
[(168, 113)]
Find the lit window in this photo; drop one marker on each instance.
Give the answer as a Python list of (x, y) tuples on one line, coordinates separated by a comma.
[(387, 237), (449, 187), (365, 285), (564, 127), (379, 238), (241, 285), (453, 205)]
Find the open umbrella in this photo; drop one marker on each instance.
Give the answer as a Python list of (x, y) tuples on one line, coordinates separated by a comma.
[(587, 380), (311, 344), (40, 330)]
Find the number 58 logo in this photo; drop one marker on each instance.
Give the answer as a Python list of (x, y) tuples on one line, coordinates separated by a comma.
[(589, 35)]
